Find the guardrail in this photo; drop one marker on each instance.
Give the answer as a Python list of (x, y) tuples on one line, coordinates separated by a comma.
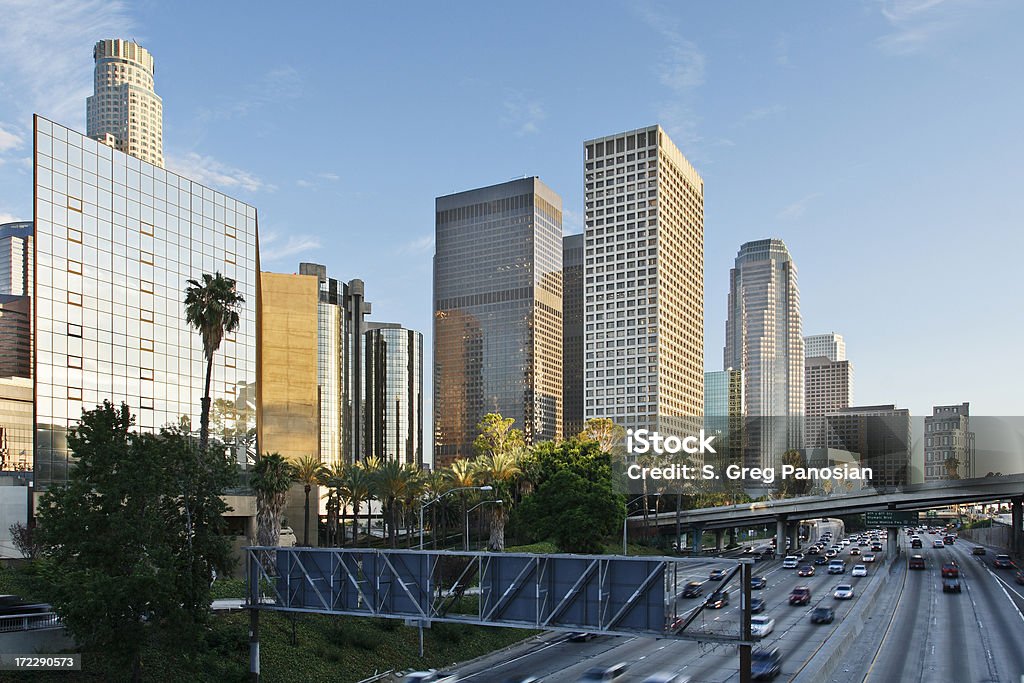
[(36, 621)]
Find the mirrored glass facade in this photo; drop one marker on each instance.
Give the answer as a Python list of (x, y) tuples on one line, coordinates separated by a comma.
[(394, 393), (116, 240)]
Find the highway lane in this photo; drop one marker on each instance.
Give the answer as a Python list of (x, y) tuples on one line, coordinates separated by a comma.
[(938, 637), (794, 634)]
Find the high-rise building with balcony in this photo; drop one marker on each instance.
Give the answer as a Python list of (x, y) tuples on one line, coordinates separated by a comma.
[(124, 111), (572, 334), (948, 443), (831, 346), (497, 313), (763, 338), (393, 393), (116, 240), (644, 280)]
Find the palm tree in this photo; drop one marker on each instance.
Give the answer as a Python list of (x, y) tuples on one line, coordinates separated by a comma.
[(308, 472), (212, 308), (333, 479), (370, 466), (272, 476), (392, 481), (500, 470), (435, 484), (357, 485)]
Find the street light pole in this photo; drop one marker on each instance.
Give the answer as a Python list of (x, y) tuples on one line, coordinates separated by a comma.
[(424, 505), (465, 542)]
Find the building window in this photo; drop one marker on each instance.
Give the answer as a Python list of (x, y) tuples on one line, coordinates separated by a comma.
[(74, 361), (75, 393), (146, 287), (75, 267), (146, 229), (75, 204), (146, 373), (74, 235), (74, 298), (146, 316), (74, 330)]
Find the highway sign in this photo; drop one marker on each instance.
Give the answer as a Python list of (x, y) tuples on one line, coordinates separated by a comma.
[(890, 518)]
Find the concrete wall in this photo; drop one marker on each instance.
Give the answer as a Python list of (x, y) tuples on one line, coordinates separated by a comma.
[(288, 412)]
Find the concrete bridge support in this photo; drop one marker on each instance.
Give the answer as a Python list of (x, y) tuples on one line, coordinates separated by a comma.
[(793, 531), (1016, 510), (719, 538), (780, 536), (698, 538)]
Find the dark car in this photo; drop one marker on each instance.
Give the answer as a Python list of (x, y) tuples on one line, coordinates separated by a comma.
[(916, 562), (716, 575), (756, 605), (581, 637), (692, 589), (916, 543), (949, 540), (805, 570), (602, 673), (1019, 577), (950, 584), (820, 560), (765, 664), (978, 550), (1002, 562), (717, 600), (801, 595), (758, 582), (876, 547), (823, 615)]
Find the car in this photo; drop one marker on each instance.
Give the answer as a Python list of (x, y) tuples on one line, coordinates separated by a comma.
[(978, 550), (522, 679), (790, 562), (949, 539), (950, 584), (950, 570), (801, 595), (716, 575), (717, 600), (855, 550), (581, 637), (665, 678), (937, 543), (813, 550), (761, 626), (868, 557), (831, 553), (765, 664), (823, 615), (757, 605), (431, 676), (876, 547), (843, 591), (916, 543), (693, 589), (604, 673), (805, 570), (820, 560), (859, 570), (916, 562), (1019, 576), (836, 567), (758, 582), (1002, 562)]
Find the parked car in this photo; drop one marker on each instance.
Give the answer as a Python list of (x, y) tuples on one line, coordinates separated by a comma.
[(1002, 562), (761, 626), (801, 595), (823, 615)]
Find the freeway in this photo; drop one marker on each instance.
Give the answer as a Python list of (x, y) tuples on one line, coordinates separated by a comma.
[(937, 637), (557, 659)]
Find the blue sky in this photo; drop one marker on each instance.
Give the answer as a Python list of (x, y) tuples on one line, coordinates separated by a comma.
[(881, 140)]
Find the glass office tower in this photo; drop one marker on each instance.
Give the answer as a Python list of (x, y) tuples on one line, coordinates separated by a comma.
[(394, 393), (116, 240), (497, 313)]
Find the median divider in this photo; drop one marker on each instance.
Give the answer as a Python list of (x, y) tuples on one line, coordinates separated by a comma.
[(834, 650)]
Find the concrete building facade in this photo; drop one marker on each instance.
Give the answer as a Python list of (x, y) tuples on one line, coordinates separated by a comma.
[(644, 280), (831, 346), (828, 389), (16, 259), (124, 111), (497, 313), (393, 393), (949, 443)]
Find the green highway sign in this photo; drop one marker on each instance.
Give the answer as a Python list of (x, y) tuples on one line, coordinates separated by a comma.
[(890, 518), (932, 513)]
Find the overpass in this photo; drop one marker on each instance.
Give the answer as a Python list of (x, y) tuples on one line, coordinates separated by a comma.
[(786, 513)]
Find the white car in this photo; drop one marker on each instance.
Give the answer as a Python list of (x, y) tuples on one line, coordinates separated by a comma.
[(869, 557), (761, 626), (430, 677), (859, 570), (843, 591), (790, 562)]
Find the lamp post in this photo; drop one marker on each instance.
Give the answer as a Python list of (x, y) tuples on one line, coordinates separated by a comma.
[(465, 543), (625, 521), (424, 505)]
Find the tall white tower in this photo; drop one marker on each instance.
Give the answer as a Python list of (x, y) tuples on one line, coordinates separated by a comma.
[(124, 111)]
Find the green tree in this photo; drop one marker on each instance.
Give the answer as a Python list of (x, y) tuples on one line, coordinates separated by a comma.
[(359, 485), (308, 472), (500, 470), (392, 482), (497, 435), (602, 430), (791, 487), (271, 478), (211, 307), (131, 541)]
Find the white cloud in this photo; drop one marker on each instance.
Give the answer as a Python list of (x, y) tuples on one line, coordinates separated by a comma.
[(763, 112), (419, 245), (208, 171), (917, 24), (797, 209), (683, 67), (282, 84), (332, 177), (9, 140), (47, 59), (522, 113), (272, 249), (7, 217)]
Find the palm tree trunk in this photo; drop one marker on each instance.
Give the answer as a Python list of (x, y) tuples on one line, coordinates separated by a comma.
[(204, 415), (305, 529), (340, 539)]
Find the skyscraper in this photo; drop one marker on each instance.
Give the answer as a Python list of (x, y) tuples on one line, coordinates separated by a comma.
[(881, 435), (763, 338), (497, 313), (725, 411), (342, 315), (831, 346), (572, 334), (116, 240), (394, 393), (16, 258), (948, 443), (828, 389), (124, 111), (644, 288)]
